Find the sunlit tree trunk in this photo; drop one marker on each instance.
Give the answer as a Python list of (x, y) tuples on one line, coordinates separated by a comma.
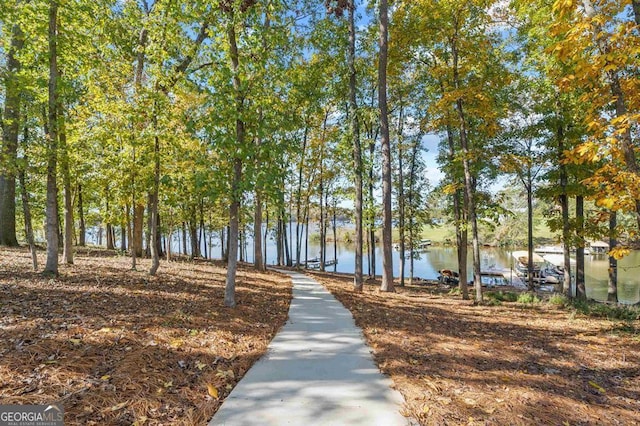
[(357, 150), (26, 209), (234, 208), (82, 231), (612, 291), (581, 292), (458, 216), (67, 253), (51, 266), (387, 260), (155, 253), (468, 179), (401, 200)]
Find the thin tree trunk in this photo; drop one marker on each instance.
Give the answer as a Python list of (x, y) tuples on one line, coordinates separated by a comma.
[(236, 195), (258, 260), (529, 187), (299, 195), (612, 291), (401, 203), (581, 292), (458, 209), (67, 253), (154, 219), (266, 230), (335, 237), (51, 266), (468, 179), (123, 239), (82, 241), (184, 239), (357, 150), (28, 226), (147, 237), (564, 207), (387, 260)]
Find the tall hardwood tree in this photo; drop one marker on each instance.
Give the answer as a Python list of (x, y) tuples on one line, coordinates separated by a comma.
[(51, 266), (387, 259)]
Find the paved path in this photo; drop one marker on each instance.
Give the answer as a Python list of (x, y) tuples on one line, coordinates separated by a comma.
[(317, 371)]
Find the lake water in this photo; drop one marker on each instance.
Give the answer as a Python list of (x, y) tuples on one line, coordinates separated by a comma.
[(444, 257)]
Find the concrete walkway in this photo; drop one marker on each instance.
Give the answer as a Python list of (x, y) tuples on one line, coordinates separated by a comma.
[(317, 371)]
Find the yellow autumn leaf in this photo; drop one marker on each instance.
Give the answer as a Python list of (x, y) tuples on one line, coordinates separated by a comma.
[(597, 387), (212, 391), (607, 203), (105, 377)]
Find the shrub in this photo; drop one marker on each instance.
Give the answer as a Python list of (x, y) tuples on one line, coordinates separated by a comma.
[(528, 298), (559, 300), (502, 296)]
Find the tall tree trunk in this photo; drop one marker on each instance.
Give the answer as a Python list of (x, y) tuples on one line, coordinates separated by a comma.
[(279, 240), (529, 187), (110, 245), (154, 219), (371, 224), (335, 236), (468, 178), (67, 253), (147, 236), (564, 207), (10, 130), (28, 226), (266, 230), (184, 239), (236, 195), (612, 291), (636, 10), (387, 260), (581, 292), (258, 260), (51, 266), (123, 238), (299, 225), (401, 203), (459, 217), (82, 241), (357, 150)]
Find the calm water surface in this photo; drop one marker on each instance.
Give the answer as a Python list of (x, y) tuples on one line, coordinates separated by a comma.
[(444, 257)]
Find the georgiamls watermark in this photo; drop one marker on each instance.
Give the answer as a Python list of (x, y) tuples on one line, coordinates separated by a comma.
[(32, 415)]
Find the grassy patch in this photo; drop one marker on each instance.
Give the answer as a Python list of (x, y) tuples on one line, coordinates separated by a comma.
[(559, 300), (528, 298), (604, 310), (502, 296)]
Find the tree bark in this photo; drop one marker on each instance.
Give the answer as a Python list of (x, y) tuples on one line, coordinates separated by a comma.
[(529, 187), (357, 150), (155, 254), (461, 235), (387, 260), (82, 240), (468, 178), (258, 260), (564, 207), (51, 266), (612, 290), (234, 209), (10, 130), (401, 201), (581, 292), (67, 253), (28, 225)]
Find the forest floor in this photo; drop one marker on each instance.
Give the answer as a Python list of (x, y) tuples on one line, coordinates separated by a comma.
[(517, 364), (118, 347)]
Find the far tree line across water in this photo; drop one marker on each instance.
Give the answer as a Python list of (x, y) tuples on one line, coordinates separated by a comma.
[(148, 118)]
